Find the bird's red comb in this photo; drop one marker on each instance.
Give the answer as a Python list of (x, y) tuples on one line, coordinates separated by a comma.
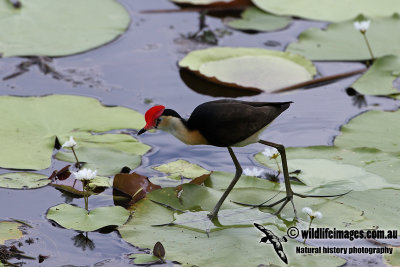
[(152, 114)]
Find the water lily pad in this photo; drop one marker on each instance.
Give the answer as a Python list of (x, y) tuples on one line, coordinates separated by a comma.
[(28, 31), (236, 242), (374, 130), (144, 258), (237, 67), (393, 259), (254, 19), (72, 217), (326, 11), (201, 2), (27, 137), (122, 142), (106, 161), (378, 80), (341, 41), (23, 180), (181, 168), (9, 230)]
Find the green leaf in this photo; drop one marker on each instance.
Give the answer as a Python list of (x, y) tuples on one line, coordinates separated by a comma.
[(341, 41), (374, 130), (180, 167), (9, 230), (72, 217), (393, 259), (325, 10), (378, 80), (29, 31), (249, 68), (27, 137), (143, 258), (23, 180), (122, 142), (201, 2), (255, 19), (237, 240), (99, 182), (106, 161)]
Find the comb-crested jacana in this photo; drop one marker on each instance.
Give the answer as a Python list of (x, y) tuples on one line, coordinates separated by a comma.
[(224, 123)]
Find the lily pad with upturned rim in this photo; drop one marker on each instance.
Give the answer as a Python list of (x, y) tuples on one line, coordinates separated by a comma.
[(249, 68)]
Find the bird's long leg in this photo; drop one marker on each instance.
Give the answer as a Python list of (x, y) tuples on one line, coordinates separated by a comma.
[(289, 191), (213, 214)]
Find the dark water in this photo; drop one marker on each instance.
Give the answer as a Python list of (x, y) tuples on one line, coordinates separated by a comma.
[(142, 65)]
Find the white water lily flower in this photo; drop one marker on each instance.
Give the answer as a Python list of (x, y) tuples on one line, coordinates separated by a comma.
[(270, 152), (253, 172), (85, 174), (70, 143), (362, 26), (311, 213)]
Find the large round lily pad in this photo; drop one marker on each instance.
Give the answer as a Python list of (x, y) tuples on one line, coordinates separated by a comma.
[(341, 41), (249, 68), (72, 217), (30, 126), (326, 10), (23, 180), (59, 28)]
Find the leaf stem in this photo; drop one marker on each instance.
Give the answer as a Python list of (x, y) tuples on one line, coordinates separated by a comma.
[(309, 226), (76, 158), (369, 47), (319, 80)]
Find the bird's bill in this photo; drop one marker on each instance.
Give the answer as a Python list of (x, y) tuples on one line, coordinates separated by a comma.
[(141, 131)]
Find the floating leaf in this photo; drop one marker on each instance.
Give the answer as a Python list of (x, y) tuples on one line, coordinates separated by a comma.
[(134, 185), (254, 19), (378, 80), (28, 31), (393, 259), (341, 41), (143, 258), (106, 161), (237, 226), (249, 68), (9, 230), (72, 217), (181, 168), (23, 180), (27, 137), (213, 3), (122, 142), (326, 11)]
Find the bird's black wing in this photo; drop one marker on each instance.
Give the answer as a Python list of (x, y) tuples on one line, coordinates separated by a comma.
[(227, 122)]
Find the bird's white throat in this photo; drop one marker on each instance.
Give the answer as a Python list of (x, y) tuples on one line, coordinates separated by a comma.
[(175, 126)]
